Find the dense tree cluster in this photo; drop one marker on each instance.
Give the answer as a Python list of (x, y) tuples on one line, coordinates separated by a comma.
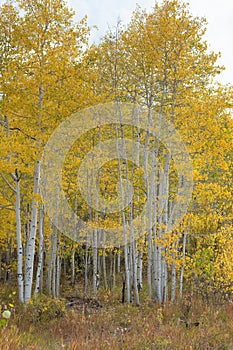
[(159, 63)]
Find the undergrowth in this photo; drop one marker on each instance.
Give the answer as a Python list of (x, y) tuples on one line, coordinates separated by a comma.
[(82, 324)]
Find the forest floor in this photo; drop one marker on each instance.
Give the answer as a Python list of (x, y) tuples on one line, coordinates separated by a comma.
[(77, 322)]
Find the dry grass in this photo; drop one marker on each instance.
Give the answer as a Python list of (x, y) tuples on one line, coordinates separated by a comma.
[(190, 325)]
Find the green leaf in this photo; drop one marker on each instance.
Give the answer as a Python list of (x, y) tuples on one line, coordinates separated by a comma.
[(3, 323)]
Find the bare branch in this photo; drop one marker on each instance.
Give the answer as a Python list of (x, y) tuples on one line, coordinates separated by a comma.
[(8, 183), (18, 129), (8, 207)]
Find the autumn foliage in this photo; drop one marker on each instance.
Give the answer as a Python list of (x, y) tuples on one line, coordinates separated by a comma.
[(161, 63)]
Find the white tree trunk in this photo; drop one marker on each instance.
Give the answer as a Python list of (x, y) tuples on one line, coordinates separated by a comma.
[(94, 254), (127, 271), (114, 271), (58, 267), (104, 269), (40, 250), (182, 268), (119, 260), (139, 270), (173, 286), (54, 259), (73, 265), (87, 269), (19, 241), (159, 262), (30, 250)]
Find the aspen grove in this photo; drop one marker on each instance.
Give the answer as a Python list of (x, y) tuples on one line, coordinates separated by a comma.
[(161, 63)]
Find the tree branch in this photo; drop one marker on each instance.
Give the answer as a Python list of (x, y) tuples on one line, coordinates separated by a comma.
[(18, 129), (8, 183)]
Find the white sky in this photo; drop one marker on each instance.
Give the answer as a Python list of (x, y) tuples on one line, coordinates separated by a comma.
[(219, 15)]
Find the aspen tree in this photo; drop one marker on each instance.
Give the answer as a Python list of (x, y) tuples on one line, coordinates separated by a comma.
[(39, 273)]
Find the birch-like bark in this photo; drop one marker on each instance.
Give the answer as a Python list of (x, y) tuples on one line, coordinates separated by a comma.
[(173, 282), (51, 276), (150, 198), (166, 225), (154, 257), (87, 269), (50, 267), (127, 272), (54, 256), (110, 270), (164, 280), (137, 254), (159, 263), (135, 276), (19, 240), (94, 255), (114, 271), (182, 267), (73, 265), (39, 272), (119, 260), (133, 254), (87, 253), (30, 249), (139, 270), (95, 241), (58, 267), (173, 272), (149, 213), (104, 269)]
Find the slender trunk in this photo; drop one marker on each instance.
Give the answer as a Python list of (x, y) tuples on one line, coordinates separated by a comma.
[(104, 269), (164, 281), (87, 268), (173, 286), (154, 267), (127, 272), (54, 256), (40, 250), (183, 262), (150, 183), (73, 265), (159, 262), (110, 270), (119, 260), (50, 267), (166, 223), (55, 246), (19, 242), (139, 270), (58, 267), (30, 249), (51, 276), (96, 276), (94, 254), (114, 271), (135, 276)]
